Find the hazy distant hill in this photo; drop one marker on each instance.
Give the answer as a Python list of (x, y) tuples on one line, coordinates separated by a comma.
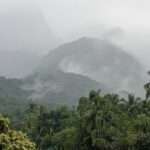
[(22, 37), (12, 96), (55, 87), (71, 71), (25, 31), (101, 61)]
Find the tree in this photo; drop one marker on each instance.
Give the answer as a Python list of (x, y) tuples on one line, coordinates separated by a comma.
[(147, 88), (11, 139), (98, 123)]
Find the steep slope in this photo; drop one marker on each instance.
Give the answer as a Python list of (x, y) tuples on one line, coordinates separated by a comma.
[(12, 96), (25, 29), (55, 87), (71, 71), (101, 61)]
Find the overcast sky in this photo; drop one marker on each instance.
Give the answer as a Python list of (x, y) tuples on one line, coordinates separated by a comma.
[(125, 22)]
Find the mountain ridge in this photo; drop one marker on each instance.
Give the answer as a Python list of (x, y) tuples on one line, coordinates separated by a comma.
[(100, 60)]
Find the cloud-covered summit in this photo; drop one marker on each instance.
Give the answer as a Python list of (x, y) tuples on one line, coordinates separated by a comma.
[(101, 61)]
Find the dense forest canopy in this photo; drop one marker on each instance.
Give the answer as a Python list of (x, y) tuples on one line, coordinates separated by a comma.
[(98, 123)]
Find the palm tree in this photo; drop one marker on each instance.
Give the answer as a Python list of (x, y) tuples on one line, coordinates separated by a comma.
[(147, 89)]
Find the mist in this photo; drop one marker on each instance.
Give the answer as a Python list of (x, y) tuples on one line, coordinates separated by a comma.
[(94, 17), (39, 26)]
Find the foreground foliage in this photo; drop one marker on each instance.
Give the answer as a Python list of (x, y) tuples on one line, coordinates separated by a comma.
[(98, 123), (11, 139)]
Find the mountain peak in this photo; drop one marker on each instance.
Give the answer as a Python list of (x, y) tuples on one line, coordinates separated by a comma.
[(100, 60), (89, 40)]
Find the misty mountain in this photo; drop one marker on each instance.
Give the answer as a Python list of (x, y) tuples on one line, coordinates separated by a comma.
[(12, 95), (55, 87), (24, 34), (26, 29), (101, 61), (72, 70)]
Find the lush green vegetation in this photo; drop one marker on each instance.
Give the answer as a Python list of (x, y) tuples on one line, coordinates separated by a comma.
[(12, 96), (98, 123), (11, 139)]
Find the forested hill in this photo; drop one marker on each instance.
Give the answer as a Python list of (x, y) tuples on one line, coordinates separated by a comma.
[(101, 61), (72, 70), (55, 87), (50, 89), (12, 96), (98, 123)]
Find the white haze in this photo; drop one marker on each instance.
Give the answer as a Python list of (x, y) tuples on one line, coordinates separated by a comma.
[(40, 25), (70, 16)]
